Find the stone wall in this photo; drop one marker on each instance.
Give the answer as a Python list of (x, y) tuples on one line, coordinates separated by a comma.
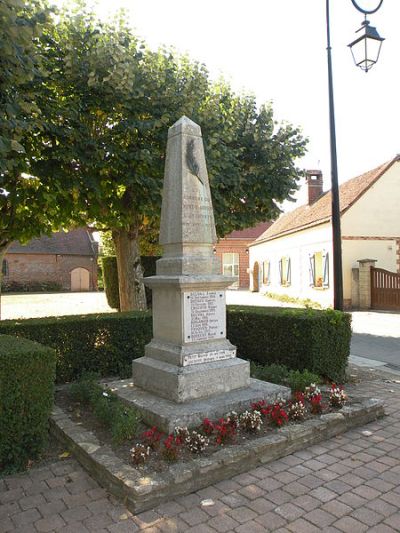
[(47, 268)]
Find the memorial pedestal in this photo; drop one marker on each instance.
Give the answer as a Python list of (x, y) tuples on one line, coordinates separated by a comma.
[(190, 370), (189, 356)]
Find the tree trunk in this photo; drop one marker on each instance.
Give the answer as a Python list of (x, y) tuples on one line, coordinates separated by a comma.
[(3, 251), (130, 274)]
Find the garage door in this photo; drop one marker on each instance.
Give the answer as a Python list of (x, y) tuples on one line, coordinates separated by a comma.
[(79, 279)]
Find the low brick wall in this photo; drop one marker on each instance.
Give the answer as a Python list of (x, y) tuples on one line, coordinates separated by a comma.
[(141, 493)]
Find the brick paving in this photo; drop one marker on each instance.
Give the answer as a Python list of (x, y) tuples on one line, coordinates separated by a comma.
[(349, 483)]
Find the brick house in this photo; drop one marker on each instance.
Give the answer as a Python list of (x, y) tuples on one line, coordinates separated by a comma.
[(294, 256), (233, 253), (66, 260)]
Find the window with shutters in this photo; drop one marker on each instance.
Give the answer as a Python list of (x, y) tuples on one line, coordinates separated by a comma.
[(319, 270), (285, 271), (266, 272)]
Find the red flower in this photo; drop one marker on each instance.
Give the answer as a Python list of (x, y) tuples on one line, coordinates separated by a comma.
[(207, 426)]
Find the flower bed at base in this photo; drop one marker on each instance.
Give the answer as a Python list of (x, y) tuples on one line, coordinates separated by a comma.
[(158, 480), (154, 449)]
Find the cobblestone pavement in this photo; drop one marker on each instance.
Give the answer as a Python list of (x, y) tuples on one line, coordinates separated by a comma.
[(350, 483)]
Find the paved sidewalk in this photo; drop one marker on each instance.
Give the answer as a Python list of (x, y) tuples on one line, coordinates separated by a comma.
[(350, 483)]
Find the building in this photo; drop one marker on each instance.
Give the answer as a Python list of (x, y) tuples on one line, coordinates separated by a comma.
[(294, 255), (233, 253), (65, 261)]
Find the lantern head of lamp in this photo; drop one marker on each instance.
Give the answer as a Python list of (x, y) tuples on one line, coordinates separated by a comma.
[(366, 48)]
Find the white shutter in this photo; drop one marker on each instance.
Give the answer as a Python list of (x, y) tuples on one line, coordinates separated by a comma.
[(325, 264), (288, 272), (311, 270)]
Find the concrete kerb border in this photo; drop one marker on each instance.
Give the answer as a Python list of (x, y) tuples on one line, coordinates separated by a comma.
[(140, 493)]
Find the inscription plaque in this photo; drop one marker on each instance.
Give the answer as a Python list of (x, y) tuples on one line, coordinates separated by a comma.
[(208, 357), (204, 315)]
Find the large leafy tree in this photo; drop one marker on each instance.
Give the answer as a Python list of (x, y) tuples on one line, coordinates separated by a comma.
[(110, 102), (29, 206)]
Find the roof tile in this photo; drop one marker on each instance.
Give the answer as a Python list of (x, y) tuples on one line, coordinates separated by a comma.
[(320, 211), (73, 242)]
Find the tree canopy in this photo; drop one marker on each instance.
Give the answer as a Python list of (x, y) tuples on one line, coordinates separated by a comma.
[(29, 206), (90, 118)]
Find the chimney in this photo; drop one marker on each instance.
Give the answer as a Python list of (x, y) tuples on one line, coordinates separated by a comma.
[(315, 184)]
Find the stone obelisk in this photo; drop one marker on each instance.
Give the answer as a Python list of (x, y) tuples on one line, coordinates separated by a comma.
[(190, 370), (189, 356)]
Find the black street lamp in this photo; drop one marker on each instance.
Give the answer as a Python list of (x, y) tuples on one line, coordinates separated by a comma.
[(365, 50)]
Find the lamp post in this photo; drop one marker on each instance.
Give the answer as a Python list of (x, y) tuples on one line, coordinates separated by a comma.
[(369, 42)]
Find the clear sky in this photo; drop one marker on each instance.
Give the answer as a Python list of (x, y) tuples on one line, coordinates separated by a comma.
[(276, 49)]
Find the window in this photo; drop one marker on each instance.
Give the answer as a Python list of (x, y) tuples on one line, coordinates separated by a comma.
[(285, 271), (266, 272), (319, 270), (4, 267), (230, 266)]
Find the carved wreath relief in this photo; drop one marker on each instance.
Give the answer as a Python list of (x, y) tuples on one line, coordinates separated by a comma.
[(191, 161)]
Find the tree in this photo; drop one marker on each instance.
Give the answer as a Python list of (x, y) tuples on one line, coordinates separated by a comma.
[(29, 205), (113, 101)]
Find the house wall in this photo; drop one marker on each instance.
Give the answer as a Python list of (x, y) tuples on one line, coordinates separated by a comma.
[(370, 230), (236, 246), (298, 246), (376, 213), (47, 268), (371, 227)]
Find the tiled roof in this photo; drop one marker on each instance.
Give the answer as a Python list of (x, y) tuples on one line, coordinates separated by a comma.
[(249, 233), (320, 211), (73, 242)]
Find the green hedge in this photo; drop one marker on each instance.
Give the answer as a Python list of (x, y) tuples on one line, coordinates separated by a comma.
[(27, 372), (110, 278), (298, 338), (104, 343), (110, 281)]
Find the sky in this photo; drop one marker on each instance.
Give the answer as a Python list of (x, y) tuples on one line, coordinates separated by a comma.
[(276, 49)]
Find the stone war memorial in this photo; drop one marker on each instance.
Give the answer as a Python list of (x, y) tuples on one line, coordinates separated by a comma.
[(190, 370)]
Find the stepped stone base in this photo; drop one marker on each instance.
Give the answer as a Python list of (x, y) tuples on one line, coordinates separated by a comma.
[(166, 414), (183, 384)]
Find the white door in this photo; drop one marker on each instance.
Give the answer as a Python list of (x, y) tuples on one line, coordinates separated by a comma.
[(79, 279)]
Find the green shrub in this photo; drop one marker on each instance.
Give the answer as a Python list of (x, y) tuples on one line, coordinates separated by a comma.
[(149, 269), (120, 419), (272, 373), (104, 343), (110, 278), (85, 388), (32, 286), (280, 374), (298, 381), (27, 372), (110, 281), (298, 338)]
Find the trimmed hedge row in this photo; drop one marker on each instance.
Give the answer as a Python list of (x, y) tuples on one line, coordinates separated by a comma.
[(110, 281), (301, 339), (27, 372), (106, 343), (110, 277)]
